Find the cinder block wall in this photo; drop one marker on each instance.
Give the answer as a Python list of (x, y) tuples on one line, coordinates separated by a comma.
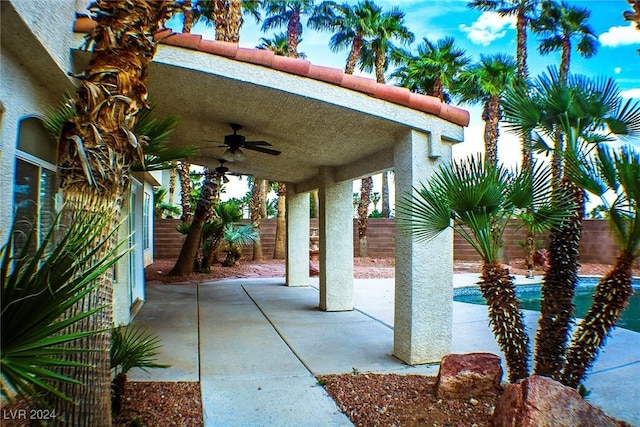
[(597, 244)]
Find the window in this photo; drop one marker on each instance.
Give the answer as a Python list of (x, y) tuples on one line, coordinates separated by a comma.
[(35, 182), (145, 221)]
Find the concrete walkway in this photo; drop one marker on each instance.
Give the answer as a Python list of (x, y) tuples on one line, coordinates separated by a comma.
[(257, 345)]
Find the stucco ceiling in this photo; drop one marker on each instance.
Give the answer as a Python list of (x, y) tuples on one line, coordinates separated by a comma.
[(313, 123)]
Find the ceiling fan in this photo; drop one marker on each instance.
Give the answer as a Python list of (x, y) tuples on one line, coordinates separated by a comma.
[(234, 144)]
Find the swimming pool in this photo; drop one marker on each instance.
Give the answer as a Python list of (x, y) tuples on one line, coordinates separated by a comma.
[(530, 299)]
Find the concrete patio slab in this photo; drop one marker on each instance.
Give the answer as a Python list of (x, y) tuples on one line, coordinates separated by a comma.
[(261, 343)]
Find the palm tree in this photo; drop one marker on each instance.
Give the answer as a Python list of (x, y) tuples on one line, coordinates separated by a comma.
[(366, 184), (97, 149), (558, 24), (279, 251), (287, 13), (588, 112), (385, 210), (278, 45), (209, 193), (213, 231), (386, 28), (482, 198), (434, 70), (257, 206), (185, 190), (524, 11), (226, 16), (187, 16), (235, 237), (352, 25), (486, 82), (618, 172)]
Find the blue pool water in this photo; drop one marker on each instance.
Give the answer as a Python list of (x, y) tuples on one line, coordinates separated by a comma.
[(530, 299)]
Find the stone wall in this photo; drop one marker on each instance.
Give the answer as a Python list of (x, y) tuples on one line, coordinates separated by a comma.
[(597, 244)]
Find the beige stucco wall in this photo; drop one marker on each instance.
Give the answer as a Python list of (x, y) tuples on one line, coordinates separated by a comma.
[(22, 95)]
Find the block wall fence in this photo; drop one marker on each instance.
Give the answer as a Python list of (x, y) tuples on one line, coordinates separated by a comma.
[(597, 243)]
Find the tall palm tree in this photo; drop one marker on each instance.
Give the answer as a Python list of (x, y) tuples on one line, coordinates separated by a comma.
[(352, 26), (486, 82), (366, 184), (226, 16), (588, 112), (97, 149), (618, 172), (482, 198), (435, 68), (186, 261), (287, 13), (279, 251), (558, 24), (258, 211), (185, 190), (524, 11), (386, 28)]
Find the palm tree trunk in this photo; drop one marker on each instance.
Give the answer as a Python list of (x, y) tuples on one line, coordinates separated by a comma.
[(354, 54), (187, 258), (293, 36), (96, 152), (363, 214), (220, 18), (566, 58), (611, 298), (380, 62), (558, 289), (506, 318), (491, 116), (281, 225), (234, 21), (187, 23), (185, 191), (316, 203), (386, 211), (257, 200), (172, 185), (521, 51)]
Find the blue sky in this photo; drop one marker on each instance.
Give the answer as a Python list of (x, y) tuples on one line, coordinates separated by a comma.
[(486, 33)]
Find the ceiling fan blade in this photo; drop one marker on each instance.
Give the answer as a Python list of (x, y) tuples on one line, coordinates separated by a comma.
[(263, 150), (257, 143)]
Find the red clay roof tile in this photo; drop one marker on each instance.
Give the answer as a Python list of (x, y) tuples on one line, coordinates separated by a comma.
[(326, 74), (219, 48), (394, 94), (255, 56), (291, 65)]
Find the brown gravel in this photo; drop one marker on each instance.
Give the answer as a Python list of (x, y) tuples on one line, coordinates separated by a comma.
[(403, 400), (159, 404)]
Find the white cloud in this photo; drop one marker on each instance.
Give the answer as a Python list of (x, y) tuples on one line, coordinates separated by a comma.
[(631, 93), (488, 27), (619, 36), (617, 70)]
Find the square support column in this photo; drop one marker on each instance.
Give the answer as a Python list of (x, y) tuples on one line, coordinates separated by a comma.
[(424, 270), (336, 243), (297, 238)]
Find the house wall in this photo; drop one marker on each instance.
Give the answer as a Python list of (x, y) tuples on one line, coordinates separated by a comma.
[(597, 244), (22, 95)]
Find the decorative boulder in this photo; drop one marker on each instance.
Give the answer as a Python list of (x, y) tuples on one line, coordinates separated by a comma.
[(540, 401), (462, 376)]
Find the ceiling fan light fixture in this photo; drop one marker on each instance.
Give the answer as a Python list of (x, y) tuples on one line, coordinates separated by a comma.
[(233, 156)]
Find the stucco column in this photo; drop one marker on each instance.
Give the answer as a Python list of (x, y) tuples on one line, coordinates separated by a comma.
[(336, 243), (423, 279), (297, 237)]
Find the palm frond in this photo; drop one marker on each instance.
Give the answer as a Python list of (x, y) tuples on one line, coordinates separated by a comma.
[(134, 347)]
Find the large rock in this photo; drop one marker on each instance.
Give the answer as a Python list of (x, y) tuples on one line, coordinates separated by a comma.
[(463, 376), (540, 402)]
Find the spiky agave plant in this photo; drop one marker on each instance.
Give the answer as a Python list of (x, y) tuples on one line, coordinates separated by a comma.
[(617, 171), (39, 283), (477, 200)]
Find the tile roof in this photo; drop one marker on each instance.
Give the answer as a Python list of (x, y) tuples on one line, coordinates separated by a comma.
[(301, 67)]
